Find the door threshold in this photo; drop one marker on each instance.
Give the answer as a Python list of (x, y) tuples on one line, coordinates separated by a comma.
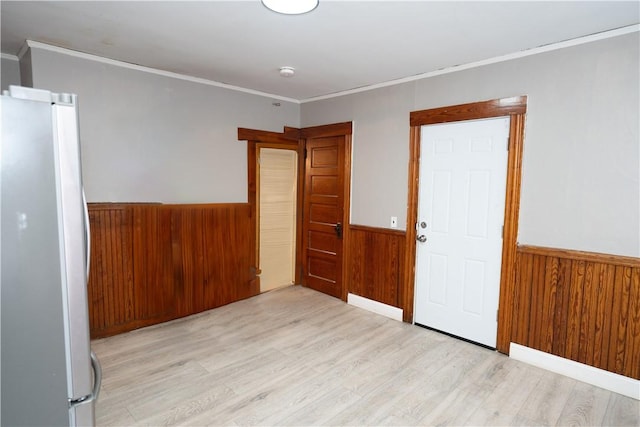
[(455, 336)]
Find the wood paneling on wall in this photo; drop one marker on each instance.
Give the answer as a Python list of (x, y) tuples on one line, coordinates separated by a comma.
[(213, 255), (151, 263), (153, 288), (376, 264), (110, 290), (580, 306)]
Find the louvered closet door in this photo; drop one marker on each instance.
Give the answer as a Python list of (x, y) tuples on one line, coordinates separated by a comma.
[(277, 195)]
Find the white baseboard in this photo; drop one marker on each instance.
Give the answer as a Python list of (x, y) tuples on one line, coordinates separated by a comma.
[(599, 377), (389, 311)]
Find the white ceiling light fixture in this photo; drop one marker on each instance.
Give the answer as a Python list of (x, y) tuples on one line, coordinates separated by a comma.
[(287, 71), (291, 7)]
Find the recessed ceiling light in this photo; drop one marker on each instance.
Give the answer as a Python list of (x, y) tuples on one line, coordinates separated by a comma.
[(291, 7)]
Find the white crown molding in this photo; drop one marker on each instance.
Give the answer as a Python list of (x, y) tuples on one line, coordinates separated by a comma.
[(9, 57), (529, 52), (96, 58), (23, 49), (524, 53)]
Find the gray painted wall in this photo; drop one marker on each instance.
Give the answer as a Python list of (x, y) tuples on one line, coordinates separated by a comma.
[(152, 138), (581, 164), (147, 137), (9, 72)]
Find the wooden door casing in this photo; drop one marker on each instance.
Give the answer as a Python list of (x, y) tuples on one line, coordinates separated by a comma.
[(289, 140), (339, 133), (516, 108)]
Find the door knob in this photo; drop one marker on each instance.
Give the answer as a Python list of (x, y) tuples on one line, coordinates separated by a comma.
[(421, 238), (338, 229)]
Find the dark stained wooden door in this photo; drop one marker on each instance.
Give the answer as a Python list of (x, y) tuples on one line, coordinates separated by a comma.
[(324, 208)]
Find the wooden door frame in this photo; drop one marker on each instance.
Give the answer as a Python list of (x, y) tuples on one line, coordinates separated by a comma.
[(295, 139), (288, 140), (516, 108)]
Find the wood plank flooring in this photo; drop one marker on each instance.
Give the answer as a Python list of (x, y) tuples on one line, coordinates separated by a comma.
[(298, 357)]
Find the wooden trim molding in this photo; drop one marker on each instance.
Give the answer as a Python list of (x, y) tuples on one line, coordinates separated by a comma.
[(516, 108), (510, 238), (516, 105), (291, 133), (346, 128), (581, 255), (266, 136), (102, 206), (336, 129), (366, 228), (408, 289)]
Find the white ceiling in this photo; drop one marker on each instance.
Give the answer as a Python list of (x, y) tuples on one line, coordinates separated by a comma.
[(341, 45)]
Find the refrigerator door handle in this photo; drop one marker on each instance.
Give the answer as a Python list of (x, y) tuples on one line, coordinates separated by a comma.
[(87, 231), (97, 382), (97, 377)]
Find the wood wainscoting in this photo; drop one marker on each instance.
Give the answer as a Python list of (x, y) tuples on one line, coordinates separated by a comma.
[(376, 264), (110, 288), (151, 262), (579, 305)]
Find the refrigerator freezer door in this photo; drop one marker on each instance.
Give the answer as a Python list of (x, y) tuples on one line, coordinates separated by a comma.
[(46, 367), (33, 350), (72, 226), (73, 234)]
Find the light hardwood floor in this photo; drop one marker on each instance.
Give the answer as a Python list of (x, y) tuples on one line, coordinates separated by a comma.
[(297, 357)]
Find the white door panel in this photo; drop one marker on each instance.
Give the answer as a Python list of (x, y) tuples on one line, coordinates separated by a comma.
[(463, 169)]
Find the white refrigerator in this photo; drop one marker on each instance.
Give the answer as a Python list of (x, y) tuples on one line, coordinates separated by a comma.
[(49, 375)]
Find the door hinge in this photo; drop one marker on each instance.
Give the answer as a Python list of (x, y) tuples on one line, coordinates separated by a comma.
[(503, 231), (508, 145), (305, 152)]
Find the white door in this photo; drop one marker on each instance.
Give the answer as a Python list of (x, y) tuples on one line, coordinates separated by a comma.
[(463, 174)]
